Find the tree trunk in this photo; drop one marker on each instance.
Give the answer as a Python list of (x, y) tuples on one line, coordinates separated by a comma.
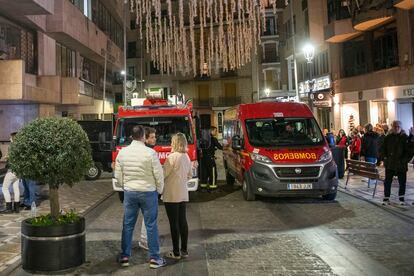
[(54, 202)]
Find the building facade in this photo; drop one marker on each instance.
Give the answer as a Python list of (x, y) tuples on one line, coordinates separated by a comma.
[(372, 48), (52, 59)]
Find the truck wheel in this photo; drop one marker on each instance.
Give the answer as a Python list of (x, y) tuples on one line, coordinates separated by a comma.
[(329, 196), (229, 178), (94, 172), (247, 191)]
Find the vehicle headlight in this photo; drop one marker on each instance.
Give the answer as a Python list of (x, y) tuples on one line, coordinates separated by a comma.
[(260, 158), (194, 166), (327, 156)]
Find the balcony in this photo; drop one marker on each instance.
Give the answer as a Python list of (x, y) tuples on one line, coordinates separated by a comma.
[(228, 101), (271, 59), (77, 92), (339, 31), (372, 14), (19, 86), (203, 103), (27, 7), (69, 26), (405, 4)]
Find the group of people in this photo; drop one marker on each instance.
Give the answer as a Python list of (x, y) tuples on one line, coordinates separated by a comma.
[(379, 144), (140, 174), (12, 181)]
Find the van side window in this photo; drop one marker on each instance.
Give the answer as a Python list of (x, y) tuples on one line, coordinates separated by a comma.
[(239, 129)]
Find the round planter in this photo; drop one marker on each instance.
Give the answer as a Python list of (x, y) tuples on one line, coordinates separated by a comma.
[(53, 248)]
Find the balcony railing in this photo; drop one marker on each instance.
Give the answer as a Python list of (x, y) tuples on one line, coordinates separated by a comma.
[(203, 102), (271, 59), (228, 101)]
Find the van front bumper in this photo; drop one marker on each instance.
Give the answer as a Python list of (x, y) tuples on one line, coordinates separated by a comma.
[(264, 180)]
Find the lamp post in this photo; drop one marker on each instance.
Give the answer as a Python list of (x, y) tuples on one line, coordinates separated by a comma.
[(125, 49), (309, 53)]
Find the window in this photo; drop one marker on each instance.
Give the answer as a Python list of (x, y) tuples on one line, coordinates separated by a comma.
[(337, 10), (79, 4), (132, 49), (153, 69), (131, 71), (385, 49), (133, 24), (104, 20), (270, 26), (282, 132), (270, 53), (65, 61), (354, 58), (18, 43), (165, 127)]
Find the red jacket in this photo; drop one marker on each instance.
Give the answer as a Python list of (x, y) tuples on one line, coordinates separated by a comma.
[(355, 146)]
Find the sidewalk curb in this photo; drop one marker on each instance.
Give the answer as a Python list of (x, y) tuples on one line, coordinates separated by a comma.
[(14, 264), (396, 212)]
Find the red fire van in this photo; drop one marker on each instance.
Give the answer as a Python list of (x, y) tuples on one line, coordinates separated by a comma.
[(277, 149)]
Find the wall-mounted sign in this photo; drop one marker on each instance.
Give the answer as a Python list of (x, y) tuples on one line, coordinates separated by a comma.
[(409, 92), (321, 99), (317, 84)]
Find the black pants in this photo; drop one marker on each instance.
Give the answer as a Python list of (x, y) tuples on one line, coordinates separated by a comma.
[(178, 225), (210, 171), (402, 180)]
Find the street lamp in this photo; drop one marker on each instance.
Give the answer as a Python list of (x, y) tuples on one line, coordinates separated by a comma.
[(267, 92), (123, 72), (309, 53)]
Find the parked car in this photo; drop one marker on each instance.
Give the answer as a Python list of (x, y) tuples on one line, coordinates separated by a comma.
[(100, 136)]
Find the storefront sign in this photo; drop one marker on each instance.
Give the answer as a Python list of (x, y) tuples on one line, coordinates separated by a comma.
[(317, 84), (409, 92), (321, 99)]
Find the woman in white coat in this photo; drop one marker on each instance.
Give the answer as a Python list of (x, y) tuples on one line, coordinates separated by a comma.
[(177, 172)]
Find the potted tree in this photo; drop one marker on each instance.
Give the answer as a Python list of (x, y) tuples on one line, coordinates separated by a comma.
[(53, 151)]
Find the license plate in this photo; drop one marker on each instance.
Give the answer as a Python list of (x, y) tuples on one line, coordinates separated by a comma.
[(302, 186)]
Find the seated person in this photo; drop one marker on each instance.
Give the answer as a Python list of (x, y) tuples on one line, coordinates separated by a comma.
[(289, 131)]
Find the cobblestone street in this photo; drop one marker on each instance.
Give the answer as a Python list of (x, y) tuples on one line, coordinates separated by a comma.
[(229, 236)]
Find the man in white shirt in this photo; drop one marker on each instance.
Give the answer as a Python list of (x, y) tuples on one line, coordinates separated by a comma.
[(139, 172)]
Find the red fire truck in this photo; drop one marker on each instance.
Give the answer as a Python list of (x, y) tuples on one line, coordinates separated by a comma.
[(167, 119), (277, 149)]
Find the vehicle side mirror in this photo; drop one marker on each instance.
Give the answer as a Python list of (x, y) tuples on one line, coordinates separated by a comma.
[(236, 142)]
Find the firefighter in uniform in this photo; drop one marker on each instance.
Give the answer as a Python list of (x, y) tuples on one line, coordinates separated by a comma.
[(209, 161)]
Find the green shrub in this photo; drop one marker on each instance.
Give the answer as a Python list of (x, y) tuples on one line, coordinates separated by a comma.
[(54, 151), (48, 220)]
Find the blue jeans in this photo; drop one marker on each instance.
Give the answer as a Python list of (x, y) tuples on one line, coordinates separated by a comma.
[(148, 203), (29, 194)]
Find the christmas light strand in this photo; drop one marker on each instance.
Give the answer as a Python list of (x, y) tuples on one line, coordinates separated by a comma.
[(200, 37)]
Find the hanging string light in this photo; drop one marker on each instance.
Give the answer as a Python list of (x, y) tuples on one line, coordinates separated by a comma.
[(200, 36)]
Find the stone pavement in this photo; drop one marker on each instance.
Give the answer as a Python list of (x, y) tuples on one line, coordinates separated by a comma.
[(81, 197), (358, 186)]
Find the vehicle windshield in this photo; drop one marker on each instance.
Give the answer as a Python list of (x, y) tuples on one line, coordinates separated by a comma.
[(166, 127), (278, 132)]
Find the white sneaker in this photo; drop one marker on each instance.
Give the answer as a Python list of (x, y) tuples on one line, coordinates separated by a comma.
[(402, 203), (385, 202)]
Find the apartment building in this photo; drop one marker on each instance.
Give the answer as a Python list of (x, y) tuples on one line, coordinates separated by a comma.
[(372, 61), (302, 23), (211, 94), (52, 59)]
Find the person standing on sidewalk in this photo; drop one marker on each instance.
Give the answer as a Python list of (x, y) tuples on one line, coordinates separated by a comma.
[(177, 172), (209, 161), (10, 179), (396, 151), (150, 141), (29, 194), (355, 147), (138, 170), (369, 146)]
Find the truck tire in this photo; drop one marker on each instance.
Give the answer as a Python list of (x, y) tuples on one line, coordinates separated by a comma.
[(329, 196), (229, 178), (94, 172), (247, 191)]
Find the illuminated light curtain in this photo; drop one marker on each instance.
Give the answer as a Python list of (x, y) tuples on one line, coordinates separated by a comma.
[(199, 36)]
